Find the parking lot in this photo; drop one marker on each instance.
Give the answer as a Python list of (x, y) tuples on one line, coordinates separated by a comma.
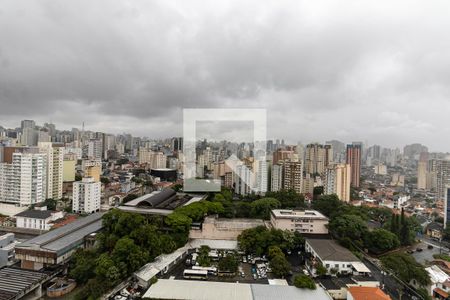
[(247, 273), (422, 253)]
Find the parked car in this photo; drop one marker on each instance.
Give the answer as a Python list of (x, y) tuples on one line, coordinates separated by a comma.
[(430, 247), (419, 249)]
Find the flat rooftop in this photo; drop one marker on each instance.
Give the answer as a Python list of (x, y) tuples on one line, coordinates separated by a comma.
[(205, 290), (65, 238), (199, 290), (234, 223), (300, 214)]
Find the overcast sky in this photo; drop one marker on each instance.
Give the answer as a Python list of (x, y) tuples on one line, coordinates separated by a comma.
[(376, 71)]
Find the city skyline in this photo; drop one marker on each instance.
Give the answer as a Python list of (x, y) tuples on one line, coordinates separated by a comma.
[(233, 139)]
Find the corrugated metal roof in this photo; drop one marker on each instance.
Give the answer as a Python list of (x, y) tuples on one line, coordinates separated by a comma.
[(65, 237), (15, 282)]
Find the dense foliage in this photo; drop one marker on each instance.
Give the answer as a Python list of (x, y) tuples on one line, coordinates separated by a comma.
[(348, 224), (229, 263), (304, 282), (127, 242), (252, 206), (258, 240), (406, 268)]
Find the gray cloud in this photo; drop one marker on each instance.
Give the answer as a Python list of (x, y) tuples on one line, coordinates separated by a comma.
[(353, 70)]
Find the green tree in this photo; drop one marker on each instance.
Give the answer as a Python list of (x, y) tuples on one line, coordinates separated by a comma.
[(203, 256), (274, 251), (321, 270), (105, 180), (261, 208), (406, 268), (178, 222), (288, 198), (280, 266), (348, 226), (327, 204), (304, 282), (229, 263), (128, 256), (107, 270), (83, 265), (381, 240)]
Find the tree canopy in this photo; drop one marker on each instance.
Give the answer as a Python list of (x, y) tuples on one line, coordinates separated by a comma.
[(406, 268), (304, 282)]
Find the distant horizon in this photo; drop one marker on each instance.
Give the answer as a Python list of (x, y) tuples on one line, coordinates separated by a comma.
[(287, 142)]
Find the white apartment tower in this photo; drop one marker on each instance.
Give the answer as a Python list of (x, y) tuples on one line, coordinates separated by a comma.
[(23, 178), (337, 181), (86, 196), (54, 168)]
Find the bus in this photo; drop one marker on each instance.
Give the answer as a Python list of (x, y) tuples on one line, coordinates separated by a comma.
[(210, 270), (195, 274)]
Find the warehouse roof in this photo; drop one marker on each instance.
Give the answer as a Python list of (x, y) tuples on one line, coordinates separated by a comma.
[(15, 283), (153, 199), (284, 292), (198, 290), (201, 290), (330, 250), (66, 237), (35, 214)]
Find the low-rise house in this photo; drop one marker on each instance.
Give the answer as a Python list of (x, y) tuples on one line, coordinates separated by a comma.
[(366, 293), (434, 230), (335, 258), (37, 219), (303, 221), (438, 281)]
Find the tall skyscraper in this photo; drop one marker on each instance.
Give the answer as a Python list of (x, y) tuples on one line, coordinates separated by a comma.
[(280, 154), (354, 152), (287, 175), (27, 124), (422, 171), (447, 206), (155, 160), (317, 158), (337, 181), (54, 163), (442, 170)]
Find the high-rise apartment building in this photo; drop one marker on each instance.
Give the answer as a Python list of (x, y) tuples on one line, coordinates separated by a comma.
[(287, 175), (354, 152), (422, 171), (277, 178), (54, 164), (155, 160), (243, 180), (92, 168), (442, 170), (86, 196), (337, 181), (317, 158), (22, 176), (446, 206), (93, 149), (280, 154)]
